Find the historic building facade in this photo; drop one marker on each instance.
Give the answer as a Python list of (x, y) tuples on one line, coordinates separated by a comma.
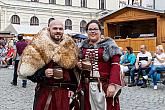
[(74, 13)]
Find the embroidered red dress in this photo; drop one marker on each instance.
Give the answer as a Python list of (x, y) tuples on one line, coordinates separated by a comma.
[(105, 59)]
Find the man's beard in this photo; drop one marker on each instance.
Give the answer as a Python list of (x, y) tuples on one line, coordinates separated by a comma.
[(56, 37)]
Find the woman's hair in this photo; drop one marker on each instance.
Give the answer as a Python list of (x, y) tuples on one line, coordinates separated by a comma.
[(130, 49), (93, 21), (160, 47)]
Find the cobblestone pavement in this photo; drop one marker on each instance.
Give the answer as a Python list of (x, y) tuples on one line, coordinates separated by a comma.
[(134, 98)]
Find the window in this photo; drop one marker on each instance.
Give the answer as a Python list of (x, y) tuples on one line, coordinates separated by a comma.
[(52, 1), (123, 3), (34, 21), (35, 0), (68, 2), (137, 2), (82, 26), (102, 4), (83, 3), (15, 19), (68, 24)]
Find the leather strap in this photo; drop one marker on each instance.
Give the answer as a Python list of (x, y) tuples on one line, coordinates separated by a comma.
[(48, 101)]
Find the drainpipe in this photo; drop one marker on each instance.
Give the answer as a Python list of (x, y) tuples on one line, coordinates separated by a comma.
[(140, 2), (153, 4)]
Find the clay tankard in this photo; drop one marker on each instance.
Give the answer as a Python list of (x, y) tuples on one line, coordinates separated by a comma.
[(86, 65), (57, 73)]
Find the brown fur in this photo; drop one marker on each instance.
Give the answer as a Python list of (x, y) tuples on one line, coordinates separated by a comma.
[(42, 50)]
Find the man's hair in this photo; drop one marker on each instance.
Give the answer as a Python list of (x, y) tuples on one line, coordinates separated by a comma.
[(145, 47), (20, 36), (160, 47), (93, 21)]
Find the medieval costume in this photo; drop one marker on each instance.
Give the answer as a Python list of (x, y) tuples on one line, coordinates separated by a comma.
[(52, 93), (43, 53), (104, 58), (43, 49)]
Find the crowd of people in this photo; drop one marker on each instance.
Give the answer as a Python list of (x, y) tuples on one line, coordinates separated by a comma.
[(144, 65), (6, 53), (10, 53)]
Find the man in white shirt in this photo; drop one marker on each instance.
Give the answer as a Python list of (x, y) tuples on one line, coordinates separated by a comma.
[(158, 64), (142, 63)]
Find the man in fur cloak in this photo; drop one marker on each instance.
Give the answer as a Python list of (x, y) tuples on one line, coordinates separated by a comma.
[(49, 60)]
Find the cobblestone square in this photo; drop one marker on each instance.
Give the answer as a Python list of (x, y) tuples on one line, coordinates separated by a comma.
[(134, 98)]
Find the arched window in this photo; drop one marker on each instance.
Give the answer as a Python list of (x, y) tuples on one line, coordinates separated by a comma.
[(68, 2), (15, 19), (68, 24), (35, 0), (83, 26), (50, 20), (83, 3), (34, 21), (102, 4), (52, 1)]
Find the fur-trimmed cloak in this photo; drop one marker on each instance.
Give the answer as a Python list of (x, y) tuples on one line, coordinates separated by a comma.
[(43, 49)]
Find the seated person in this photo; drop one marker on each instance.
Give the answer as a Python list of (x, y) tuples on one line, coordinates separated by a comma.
[(128, 60), (142, 63), (158, 64), (10, 54)]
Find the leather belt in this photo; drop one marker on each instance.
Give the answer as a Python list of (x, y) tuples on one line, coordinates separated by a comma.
[(95, 79), (59, 85)]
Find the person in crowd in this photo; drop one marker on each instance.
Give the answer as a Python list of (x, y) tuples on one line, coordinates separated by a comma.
[(128, 60), (19, 47), (28, 39), (158, 64), (142, 64), (55, 83), (3, 52), (9, 56), (99, 62)]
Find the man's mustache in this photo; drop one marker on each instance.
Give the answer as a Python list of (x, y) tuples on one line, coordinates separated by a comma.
[(58, 33)]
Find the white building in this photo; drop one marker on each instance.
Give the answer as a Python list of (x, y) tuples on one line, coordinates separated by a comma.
[(74, 13)]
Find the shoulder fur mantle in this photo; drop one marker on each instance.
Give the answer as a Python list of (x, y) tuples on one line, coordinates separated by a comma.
[(109, 45), (42, 50)]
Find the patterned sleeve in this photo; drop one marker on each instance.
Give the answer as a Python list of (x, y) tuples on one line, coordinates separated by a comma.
[(115, 54), (114, 77)]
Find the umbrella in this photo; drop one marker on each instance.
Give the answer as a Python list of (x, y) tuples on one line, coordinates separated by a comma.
[(80, 36)]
